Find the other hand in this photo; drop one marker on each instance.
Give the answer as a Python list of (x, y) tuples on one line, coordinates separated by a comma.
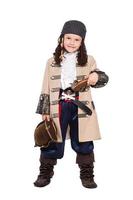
[(46, 117), (92, 79)]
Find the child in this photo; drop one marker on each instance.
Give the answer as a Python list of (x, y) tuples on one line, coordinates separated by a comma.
[(70, 62)]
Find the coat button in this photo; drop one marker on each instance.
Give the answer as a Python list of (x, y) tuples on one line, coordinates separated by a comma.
[(52, 77), (41, 98)]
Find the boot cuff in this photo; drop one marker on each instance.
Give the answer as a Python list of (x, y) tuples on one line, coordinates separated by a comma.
[(50, 161), (85, 158)]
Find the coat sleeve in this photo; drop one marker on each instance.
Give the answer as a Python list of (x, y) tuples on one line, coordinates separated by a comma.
[(102, 77), (43, 106)]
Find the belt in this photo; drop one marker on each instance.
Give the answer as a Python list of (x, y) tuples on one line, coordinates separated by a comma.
[(81, 105), (68, 91)]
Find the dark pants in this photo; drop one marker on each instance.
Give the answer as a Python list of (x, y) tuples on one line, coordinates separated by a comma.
[(68, 116)]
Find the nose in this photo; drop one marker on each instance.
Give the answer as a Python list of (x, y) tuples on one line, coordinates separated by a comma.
[(72, 42)]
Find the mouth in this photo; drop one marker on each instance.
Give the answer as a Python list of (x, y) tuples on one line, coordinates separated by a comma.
[(70, 47)]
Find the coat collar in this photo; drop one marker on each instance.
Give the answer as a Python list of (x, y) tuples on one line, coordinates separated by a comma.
[(59, 65)]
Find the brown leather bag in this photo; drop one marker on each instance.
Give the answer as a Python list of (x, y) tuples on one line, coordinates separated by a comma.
[(45, 133), (79, 85)]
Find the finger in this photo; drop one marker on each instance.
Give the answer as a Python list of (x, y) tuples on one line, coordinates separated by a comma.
[(48, 117), (88, 82), (43, 117)]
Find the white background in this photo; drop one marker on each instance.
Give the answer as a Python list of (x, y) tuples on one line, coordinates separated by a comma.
[(28, 36)]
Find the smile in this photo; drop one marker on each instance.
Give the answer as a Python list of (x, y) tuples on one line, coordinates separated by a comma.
[(71, 47)]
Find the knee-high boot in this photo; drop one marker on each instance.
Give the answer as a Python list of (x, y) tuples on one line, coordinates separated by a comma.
[(86, 165), (46, 171)]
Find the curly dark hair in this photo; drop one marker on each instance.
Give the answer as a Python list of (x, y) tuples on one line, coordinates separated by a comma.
[(59, 51)]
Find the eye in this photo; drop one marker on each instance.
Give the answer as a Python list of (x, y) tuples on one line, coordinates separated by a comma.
[(77, 40), (68, 38)]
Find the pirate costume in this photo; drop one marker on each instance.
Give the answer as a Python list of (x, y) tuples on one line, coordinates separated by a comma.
[(73, 112)]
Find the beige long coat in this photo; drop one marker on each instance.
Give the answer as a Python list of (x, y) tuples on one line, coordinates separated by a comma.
[(88, 125)]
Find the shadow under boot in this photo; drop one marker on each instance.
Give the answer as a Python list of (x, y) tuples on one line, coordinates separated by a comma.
[(46, 171), (85, 163)]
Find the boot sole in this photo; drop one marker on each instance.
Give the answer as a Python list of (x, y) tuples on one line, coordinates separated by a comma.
[(43, 185), (90, 187)]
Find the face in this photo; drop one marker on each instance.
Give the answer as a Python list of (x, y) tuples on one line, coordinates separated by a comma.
[(72, 42)]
